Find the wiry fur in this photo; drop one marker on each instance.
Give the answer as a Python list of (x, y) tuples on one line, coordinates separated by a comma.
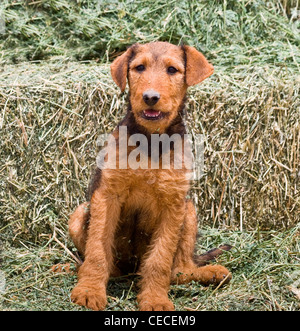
[(140, 220)]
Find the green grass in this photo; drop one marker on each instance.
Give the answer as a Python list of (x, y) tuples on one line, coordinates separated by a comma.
[(230, 32), (264, 265), (57, 96)]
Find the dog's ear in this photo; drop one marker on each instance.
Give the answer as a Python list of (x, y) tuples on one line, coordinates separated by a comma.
[(119, 68), (197, 67)]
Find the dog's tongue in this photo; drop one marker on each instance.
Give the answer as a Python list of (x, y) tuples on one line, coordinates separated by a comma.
[(151, 113)]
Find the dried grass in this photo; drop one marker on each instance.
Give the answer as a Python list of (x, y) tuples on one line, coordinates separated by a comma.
[(52, 112), (230, 32), (265, 269), (251, 123)]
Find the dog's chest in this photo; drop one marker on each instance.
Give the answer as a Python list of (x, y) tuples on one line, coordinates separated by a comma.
[(137, 187), (149, 194), (153, 190)]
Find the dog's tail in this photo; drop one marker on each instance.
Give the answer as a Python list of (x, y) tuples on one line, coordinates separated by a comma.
[(211, 255)]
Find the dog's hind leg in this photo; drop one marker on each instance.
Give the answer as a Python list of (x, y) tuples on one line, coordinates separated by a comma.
[(186, 266), (78, 226)]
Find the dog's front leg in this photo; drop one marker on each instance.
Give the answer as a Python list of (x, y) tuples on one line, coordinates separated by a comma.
[(157, 263), (94, 273)]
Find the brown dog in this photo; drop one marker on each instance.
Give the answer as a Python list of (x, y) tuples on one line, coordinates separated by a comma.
[(140, 218)]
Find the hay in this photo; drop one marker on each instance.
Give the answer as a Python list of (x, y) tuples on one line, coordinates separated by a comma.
[(52, 114), (265, 270), (230, 32), (251, 121)]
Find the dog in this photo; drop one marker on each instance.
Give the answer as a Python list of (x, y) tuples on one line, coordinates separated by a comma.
[(140, 219)]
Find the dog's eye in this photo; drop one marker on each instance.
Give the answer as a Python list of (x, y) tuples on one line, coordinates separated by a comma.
[(172, 70), (140, 68)]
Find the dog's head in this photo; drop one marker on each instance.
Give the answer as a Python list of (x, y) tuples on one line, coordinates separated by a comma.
[(158, 75)]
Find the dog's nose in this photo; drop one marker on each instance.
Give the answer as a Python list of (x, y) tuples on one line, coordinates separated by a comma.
[(151, 97)]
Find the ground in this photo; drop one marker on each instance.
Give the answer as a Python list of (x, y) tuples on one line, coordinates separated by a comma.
[(265, 268), (57, 97)]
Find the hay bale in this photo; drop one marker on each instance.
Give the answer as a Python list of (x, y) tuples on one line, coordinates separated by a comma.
[(251, 121), (53, 112), (231, 32)]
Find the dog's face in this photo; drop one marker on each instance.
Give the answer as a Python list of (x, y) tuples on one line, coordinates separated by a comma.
[(159, 74)]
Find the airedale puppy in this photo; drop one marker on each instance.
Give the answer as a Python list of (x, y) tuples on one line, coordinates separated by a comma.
[(141, 218)]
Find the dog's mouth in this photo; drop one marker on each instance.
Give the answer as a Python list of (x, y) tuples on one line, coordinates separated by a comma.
[(152, 115)]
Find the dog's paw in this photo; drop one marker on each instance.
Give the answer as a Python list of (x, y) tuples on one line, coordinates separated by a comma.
[(155, 304), (214, 274), (90, 297)]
